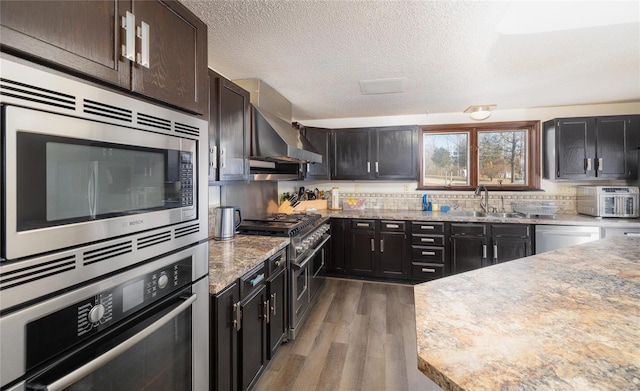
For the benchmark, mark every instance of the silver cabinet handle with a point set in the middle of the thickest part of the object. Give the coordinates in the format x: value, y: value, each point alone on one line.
x: 213, y: 151
x: 373, y: 245
x: 600, y: 165
x: 308, y: 165
x: 427, y: 240
x: 368, y: 166
x: 128, y: 48
x: 265, y: 309
x: 632, y: 234
x: 377, y: 167
x: 588, y: 164
x: 392, y: 226
x: 362, y: 224
x: 235, y: 309
x: 484, y: 251
x: 223, y: 157
x: 427, y: 227
x: 427, y: 270
x: 495, y: 251
x: 428, y: 253
x: 142, y: 32
x: 381, y: 245
x: 273, y: 304
x: 67, y: 380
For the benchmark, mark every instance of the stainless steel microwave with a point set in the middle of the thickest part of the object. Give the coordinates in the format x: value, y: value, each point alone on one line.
x: 83, y: 164
x: 609, y: 201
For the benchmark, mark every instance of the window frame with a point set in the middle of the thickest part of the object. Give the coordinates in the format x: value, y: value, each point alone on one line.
x: 533, y: 152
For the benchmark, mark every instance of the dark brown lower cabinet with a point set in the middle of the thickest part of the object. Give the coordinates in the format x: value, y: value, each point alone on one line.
x: 393, y: 248
x: 336, y: 261
x: 252, y: 337
x: 362, y: 249
x: 224, y: 337
x: 277, y: 320
x: 510, y: 241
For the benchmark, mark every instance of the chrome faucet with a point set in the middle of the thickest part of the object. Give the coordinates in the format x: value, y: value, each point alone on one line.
x: 484, y: 204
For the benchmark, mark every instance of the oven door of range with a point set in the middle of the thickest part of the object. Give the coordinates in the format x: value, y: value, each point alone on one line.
x: 128, y: 333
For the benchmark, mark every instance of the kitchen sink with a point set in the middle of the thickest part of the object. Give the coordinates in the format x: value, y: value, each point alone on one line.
x: 464, y: 213
x: 509, y: 215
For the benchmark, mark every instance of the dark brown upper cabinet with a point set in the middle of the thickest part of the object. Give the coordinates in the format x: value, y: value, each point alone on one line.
x: 165, y: 43
x: 386, y: 153
x: 320, y: 140
x: 591, y: 147
x: 229, y: 130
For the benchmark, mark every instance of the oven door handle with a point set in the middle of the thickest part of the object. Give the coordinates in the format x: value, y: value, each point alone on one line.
x: 99, y: 362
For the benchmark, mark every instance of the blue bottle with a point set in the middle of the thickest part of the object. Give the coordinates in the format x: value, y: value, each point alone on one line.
x: 426, y: 204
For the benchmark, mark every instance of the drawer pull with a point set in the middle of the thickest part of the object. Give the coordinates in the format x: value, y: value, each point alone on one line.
x: 427, y: 227
x: 256, y: 280
x: 428, y: 253
x: 427, y: 240
x: 427, y: 270
x: 392, y: 225
x: 362, y: 224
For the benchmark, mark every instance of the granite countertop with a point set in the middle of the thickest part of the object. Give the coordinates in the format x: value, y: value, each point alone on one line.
x: 231, y: 259
x: 418, y: 215
x: 567, y: 319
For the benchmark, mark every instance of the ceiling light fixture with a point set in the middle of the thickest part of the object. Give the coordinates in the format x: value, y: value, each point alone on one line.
x: 479, y: 112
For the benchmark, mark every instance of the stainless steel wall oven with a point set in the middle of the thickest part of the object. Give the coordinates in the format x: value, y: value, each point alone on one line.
x: 142, y: 329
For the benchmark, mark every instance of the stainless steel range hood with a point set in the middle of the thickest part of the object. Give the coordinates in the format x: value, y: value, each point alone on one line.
x: 273, y: 137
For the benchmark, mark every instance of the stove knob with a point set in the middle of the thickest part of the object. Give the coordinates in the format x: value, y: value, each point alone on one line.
x: 298, y: 248
x: 96, y: 313
x: 163, y: 281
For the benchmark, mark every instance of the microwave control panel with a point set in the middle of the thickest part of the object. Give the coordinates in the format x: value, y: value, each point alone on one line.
x: 186, y: 178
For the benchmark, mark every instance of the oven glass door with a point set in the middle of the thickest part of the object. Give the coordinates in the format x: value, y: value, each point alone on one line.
x: 152, y: 353
x: 618, y: 205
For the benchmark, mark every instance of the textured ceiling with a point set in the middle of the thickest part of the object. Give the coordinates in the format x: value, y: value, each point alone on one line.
x: 316, y: 52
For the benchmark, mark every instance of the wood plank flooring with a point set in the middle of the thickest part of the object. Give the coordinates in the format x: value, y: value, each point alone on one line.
x: 360, y: 336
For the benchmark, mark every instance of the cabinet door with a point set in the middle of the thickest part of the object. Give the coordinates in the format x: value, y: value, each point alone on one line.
x: 319, y: 139
x: 335, y: 263
x: 177, y: 72
x: 468, y: 253
x: 234, y: 131
x: 396, y: 153
x: 351, y: 154
x: 252, y: 338
x: 508, y: 249
x: 362, y: 252
x: 612, y: 148
x: 277, y: 326
x: 392, y: 253
x: 81, y: 36
x: 576, y: 147
x: 224, y: 353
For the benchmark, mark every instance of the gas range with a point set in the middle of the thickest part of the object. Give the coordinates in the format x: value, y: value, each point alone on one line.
x: 281, y: 224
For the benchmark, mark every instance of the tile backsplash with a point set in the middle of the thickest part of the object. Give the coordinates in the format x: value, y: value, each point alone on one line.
x: 565, y: 203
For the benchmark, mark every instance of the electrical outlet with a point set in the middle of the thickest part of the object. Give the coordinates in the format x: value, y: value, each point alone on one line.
x: 357, y: 188
x: 406, y: 188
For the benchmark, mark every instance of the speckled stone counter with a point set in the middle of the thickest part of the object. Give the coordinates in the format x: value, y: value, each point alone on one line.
x: 567, y: 319
x: 418, y: 215
x: 231, y: 259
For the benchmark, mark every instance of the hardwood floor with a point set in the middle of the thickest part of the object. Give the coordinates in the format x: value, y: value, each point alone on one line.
x: 360, y: 336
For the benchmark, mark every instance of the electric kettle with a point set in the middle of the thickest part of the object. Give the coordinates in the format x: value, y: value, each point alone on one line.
x: 226, y: 221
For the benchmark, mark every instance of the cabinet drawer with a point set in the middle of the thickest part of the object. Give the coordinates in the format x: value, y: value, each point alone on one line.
x: 392, y: 226
x: 276, y: 263
x: 468, y: 229
x: 428, y: 240
x: 510, y: 230
x: 427, y: 227
x: 252, y: 281
x: 427, y: 254
x: 426, y: 271
x: 363, y: 224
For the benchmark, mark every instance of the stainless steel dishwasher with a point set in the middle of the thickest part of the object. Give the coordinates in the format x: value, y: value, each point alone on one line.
x: 552, y: 237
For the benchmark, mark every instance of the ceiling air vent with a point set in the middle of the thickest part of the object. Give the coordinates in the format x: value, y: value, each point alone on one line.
x: 154, y: 122
x: 100, y: 254
x: 151, y: 240
x: 30, y: 93
x: 383, y: 86
x: 105, y: 110
x: 36, y: 272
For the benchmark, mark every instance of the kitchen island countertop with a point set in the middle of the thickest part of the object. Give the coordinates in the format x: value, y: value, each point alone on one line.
x: 231, y: 259
x: 567, y: 319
